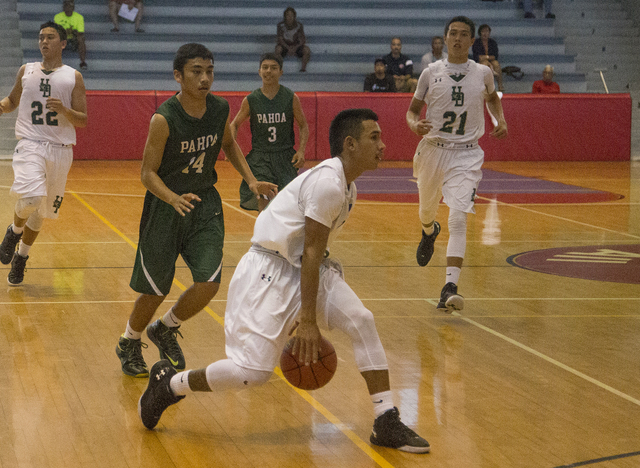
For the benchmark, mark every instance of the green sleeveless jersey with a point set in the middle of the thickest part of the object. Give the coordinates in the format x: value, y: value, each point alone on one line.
x: 191, y: 151
x: 271, y: 121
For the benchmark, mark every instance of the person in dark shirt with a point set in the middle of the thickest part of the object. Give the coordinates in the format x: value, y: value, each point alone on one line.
x: 401, y: 67
x: 379, y: 81
x: 485, y: 52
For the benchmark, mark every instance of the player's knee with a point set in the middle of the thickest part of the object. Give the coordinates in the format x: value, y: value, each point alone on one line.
x: 255, y: 378
x: 27, y: 205
x: 457, y: 222
x: 35, y: 221
x: 361, y: 320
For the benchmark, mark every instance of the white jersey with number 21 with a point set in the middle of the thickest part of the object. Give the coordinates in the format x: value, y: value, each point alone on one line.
x: 455, y: 95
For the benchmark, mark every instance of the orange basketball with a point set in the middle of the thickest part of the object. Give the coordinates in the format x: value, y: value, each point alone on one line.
x: 316, y: 374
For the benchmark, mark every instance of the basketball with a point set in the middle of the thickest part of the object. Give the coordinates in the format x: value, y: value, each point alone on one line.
x: 316, y: 374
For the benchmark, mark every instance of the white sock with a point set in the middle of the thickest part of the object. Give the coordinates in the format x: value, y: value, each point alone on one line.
x: 23, y: 249
x: 453, y: 275
x: 382, y: 402
x: 180, y: 383
x: 170, y: 319
x: 131, y: 334
x: 16, y: 229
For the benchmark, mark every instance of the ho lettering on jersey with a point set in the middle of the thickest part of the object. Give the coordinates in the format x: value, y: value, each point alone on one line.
x: 272, y: 117
x: 199, y: 144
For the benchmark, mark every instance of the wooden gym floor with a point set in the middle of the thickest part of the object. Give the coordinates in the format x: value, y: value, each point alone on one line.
x: 539, y: 370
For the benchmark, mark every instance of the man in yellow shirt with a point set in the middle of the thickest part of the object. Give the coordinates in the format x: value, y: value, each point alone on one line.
x: 73, y: 23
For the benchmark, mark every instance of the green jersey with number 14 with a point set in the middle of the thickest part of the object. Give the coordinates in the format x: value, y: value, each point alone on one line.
x: 190, y: 154
x: 271, y: 121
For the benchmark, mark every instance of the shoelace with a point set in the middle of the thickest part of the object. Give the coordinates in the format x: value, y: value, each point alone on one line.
x: 136, y: 353
x: 171, y: 344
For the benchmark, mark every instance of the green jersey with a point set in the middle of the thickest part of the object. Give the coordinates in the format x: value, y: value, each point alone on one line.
x: 190, y: 154
x: 271, y: 121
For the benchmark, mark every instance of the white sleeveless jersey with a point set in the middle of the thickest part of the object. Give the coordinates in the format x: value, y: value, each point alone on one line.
x: 322, y: 194
x: 455, y: 95
x: 35, y: 121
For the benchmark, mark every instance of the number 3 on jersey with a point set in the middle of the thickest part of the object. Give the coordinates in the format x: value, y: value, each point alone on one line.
x: 450, y: 120
x: 197, y: 164
x: 272, y: 137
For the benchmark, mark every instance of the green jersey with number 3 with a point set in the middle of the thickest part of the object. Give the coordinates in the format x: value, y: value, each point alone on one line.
x: 190, y: 154
x: 271, y: 120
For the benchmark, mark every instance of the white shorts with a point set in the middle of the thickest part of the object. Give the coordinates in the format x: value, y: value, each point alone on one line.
x: 40, y: 169
x: 263, y: 303
x: 451, y: 173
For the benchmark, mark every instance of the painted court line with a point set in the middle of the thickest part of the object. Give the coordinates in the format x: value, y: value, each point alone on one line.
x: 550, y: 360
x: 599, y: 460
x: 366, y: 449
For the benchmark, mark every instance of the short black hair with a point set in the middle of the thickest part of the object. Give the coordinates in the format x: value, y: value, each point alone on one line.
x: 292, y: 10
x: 379, y: 59
x: 50, y: 24
x: 461, y: 19
x: 271, y: 56
x: 190, y: 51
x: 483, y: 27
x: 347, y: 123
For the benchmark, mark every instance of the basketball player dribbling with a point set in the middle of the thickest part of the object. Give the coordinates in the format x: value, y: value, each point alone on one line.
x: 288, y: 282
x: 51, y: 102
x: 448, y: 159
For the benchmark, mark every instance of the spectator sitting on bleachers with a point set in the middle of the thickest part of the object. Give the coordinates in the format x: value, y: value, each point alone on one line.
x: 401, y: 67
x: 291, y: 38
x: 546, y: 85
x: 528, y: 9
x: 116, y: 5
x: 73, y: 23
x: 379, y: 81
x: 485, y: 52
x: 436, y: 53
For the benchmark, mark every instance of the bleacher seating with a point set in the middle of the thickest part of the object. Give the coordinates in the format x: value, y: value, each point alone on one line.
x: 344, y: 39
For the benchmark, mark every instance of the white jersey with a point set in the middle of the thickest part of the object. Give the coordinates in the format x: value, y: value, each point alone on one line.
x: 321, y: 194
x: 36, y: 122
x: 455, y: 95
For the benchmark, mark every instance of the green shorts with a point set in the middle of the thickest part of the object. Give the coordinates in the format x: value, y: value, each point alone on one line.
x: 267, y: 167
x: 165, y: 234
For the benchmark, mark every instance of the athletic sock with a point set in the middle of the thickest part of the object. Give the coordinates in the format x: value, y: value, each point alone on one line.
x: 131, y: 334
x: 170, y: 319
x: 382, y: 402
x: 180, y: 383
x: 453, y: 275
x: 17, y: 230
x: 23, y: 249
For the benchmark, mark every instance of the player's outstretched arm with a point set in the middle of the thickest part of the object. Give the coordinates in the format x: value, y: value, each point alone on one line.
x: 306, y: 345
x: 9, y: 103
x: 235, y: 156
x: 495, y: 107
x: 243, y: 114
x: 303, y: 127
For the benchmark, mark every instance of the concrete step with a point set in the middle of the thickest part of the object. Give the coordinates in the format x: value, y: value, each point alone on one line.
x: 597, y: 31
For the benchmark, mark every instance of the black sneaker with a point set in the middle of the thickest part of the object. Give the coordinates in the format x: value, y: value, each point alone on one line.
x: 529, y: 15
x: 550, y: 16
x: 8, y: 246
x: 18, y: 267
x: 389, y: 431
x: 450, y: 299
x: 158, y: 395
x: 165, y: 338
x: 425, y: 249
x: 130, y: 354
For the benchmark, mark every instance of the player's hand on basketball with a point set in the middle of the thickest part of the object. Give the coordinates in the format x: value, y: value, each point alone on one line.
x: 307, y: 343
x: 182, y: 203
x: 500, y: 130
x: 265, y: 190
x: 298, y: 160
x: 423, y: 127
